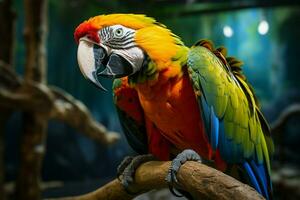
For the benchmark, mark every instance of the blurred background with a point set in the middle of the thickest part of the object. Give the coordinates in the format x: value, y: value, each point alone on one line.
x: 263, y: 34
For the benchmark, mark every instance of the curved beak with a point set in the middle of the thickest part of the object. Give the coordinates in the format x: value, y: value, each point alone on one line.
x: 94, y: 61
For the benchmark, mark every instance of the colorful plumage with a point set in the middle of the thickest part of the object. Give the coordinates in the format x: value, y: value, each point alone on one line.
x: 175, y: 98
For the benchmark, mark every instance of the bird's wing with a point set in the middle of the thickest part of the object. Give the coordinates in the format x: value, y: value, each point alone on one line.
x: 233, y: 122
x: 130, y: 114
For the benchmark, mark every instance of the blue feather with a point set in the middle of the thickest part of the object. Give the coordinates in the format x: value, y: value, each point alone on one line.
x: 260, y: 173
x: 252, y: 177
x: 214, y: 129
x: 224, y: 144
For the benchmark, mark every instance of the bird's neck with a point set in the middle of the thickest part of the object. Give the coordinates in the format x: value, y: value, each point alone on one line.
x: 159, y: 71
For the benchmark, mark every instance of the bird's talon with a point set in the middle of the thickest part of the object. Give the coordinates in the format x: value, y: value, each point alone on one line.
x: 172, y: 190
x: 175, y: 180
x: 119, y: 178
x: 122, y: 166
x: 128, y: 179
x: 127, y: 168
x: 168, y: 178
x: 180, y: 159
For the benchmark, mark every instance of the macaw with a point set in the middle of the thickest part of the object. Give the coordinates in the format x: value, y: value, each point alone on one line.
x: 176, y: 102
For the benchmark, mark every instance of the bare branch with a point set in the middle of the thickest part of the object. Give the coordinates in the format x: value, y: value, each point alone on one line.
x: 65, y: 105
x: 285, y: 115
x: 26, y: 96
x: 52, y: 102
x: 201, y: 181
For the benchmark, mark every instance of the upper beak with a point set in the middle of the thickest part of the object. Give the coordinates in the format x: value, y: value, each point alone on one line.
x: 94, y: 61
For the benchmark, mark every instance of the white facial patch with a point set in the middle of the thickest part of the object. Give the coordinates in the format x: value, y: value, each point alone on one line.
x: 120, y: 40
x: 135, y: 56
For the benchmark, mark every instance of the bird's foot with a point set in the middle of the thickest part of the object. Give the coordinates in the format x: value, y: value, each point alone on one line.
x: 126, y: 170
x: 186, y: 155
x: 122, y: 166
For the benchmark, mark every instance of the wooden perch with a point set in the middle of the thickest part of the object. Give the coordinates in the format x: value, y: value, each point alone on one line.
x: 201, y: 181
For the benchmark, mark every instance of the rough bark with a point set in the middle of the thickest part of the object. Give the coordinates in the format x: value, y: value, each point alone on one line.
x: 7, y: 21
x: 201, y: 181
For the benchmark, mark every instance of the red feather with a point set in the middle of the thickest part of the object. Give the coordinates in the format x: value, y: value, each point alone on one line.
x: 170, y: 112
x: 171, y: 105
x: 86, y: 29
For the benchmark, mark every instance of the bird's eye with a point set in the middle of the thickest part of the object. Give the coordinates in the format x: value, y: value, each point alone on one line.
x: 119, y: 32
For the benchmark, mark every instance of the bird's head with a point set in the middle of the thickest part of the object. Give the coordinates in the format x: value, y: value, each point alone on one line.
x: 118, y: 45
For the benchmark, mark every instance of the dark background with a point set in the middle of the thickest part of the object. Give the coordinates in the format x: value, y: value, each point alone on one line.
x: 271, y: 65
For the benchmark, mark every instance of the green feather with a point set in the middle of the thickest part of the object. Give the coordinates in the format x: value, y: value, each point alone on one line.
x: 232, y: 99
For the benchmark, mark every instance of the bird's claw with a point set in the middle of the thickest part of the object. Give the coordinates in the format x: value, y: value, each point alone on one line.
x: 127, y: 168
x: 186, y: 155
x: 173, y: 182
x: 122, y: 166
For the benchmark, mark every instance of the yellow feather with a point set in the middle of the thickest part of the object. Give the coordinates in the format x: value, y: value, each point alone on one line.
x: 129, y: 20
x: 153, y: 37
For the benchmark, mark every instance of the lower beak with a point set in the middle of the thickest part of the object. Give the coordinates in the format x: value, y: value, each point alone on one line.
x: 94, y: 61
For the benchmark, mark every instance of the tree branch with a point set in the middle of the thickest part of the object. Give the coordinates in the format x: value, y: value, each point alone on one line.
x: 17, y: 94
x: 277, y: 128
x: 285, y: 115
x: 201, y: 181
x: 65, y: 105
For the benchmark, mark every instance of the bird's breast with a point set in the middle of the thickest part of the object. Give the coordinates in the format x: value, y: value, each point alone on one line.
x: 173, y: 108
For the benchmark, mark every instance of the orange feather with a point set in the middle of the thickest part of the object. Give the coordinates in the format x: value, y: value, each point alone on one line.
x: 171, y: 105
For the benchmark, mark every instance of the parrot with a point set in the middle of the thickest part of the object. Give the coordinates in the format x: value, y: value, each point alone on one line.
x: 176, y: 102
